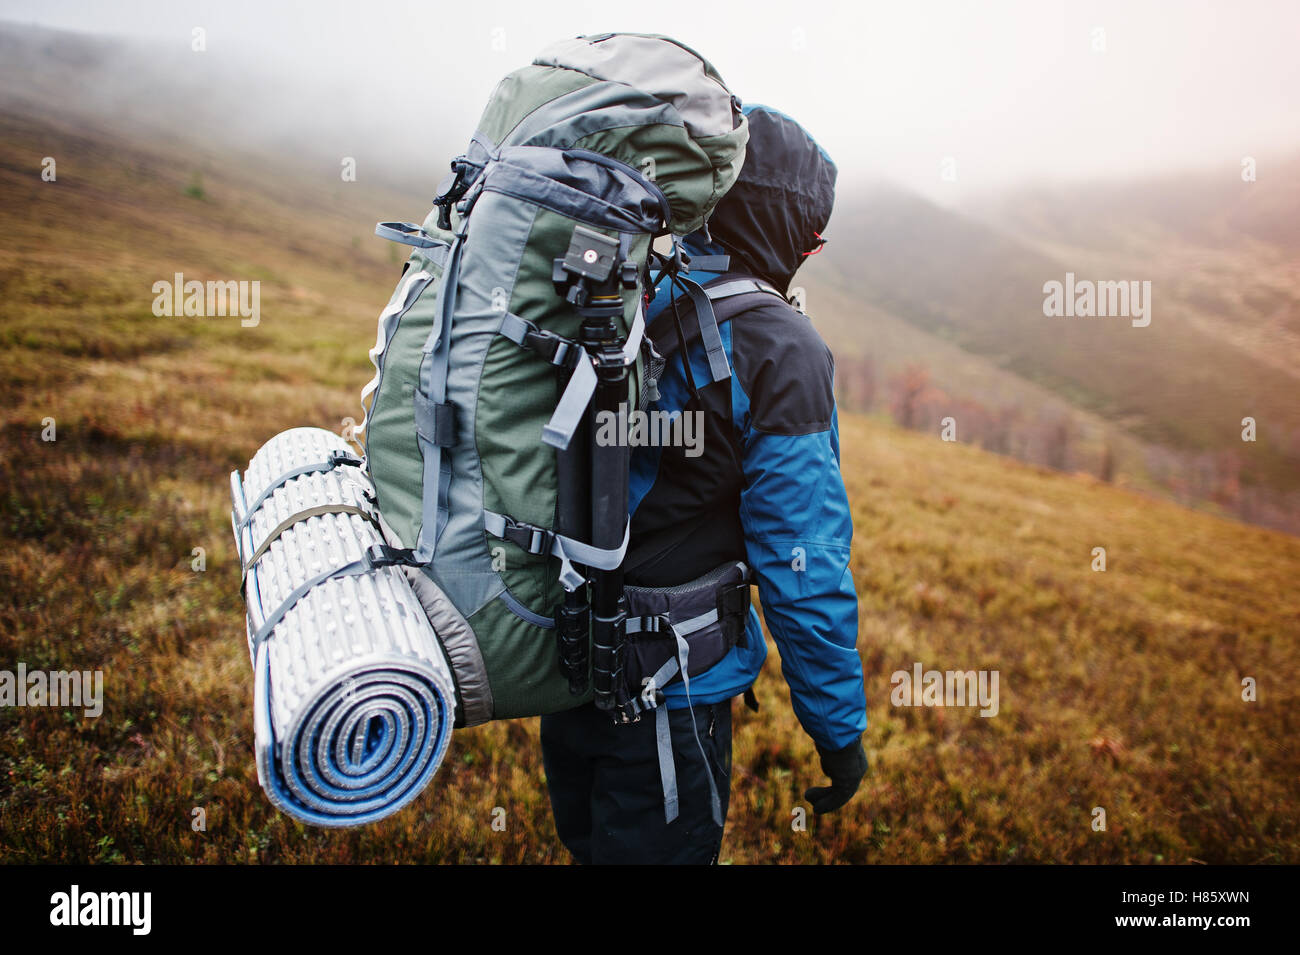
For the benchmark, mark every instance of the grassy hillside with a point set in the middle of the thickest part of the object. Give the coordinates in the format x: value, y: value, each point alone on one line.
x: 875, y: 348
x: 1118, y: 689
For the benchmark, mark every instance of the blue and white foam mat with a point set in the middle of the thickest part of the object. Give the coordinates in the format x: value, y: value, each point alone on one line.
x: 353, y: 696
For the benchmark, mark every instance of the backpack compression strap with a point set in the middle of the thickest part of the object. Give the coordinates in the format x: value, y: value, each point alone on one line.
x: 335, y: 459
x: 558, y: 432
x: 434, y: 416
x: 538, y: 540
x: 374, y: 557
x: 710, y: 337
x: 368, y: 515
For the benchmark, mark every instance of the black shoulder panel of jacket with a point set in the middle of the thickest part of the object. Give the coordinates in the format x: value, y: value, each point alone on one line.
x: 784, y: 367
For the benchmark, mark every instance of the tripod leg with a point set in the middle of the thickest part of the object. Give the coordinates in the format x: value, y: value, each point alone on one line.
x: 609, y: 501
x: 573, y: 519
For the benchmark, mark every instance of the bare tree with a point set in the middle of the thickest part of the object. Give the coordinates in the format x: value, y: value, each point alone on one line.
x: 907, y: 391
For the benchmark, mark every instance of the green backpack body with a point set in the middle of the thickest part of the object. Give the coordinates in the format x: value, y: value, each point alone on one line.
x: 628, y: 136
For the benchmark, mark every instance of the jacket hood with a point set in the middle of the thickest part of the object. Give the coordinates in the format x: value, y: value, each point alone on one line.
x: 772, y: 217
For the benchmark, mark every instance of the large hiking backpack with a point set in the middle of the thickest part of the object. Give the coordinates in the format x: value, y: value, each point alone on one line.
x: 519, y: 309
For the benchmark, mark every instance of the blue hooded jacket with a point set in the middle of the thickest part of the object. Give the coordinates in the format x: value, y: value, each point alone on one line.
x: 768, y: 488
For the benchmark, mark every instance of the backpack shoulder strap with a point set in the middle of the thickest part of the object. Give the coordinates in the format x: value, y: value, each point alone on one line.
x: 739, y: 287
x: 710, y: 306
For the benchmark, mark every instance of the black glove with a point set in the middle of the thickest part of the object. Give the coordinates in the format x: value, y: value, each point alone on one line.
x: 845, y: 767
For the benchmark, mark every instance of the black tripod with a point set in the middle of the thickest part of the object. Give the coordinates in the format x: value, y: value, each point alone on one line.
x: 593, y: 475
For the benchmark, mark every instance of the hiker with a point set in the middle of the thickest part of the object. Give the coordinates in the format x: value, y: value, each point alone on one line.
x: 763, y: 487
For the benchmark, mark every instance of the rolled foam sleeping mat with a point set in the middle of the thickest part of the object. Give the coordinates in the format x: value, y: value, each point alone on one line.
x: 353, y: 696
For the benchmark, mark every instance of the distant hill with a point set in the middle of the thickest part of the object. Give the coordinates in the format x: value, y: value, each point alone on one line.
x: 1221, y: 345
x: 1224, y: 251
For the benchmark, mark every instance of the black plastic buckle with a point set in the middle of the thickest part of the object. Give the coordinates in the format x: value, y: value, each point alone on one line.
x: 733, y: 613
x: 382, y: 555
x: 527, y: 537
x: 337, y: 458
x: 656, y: 623
x: 556, y: 349
x: 629, y: 274
x: 451, y: 190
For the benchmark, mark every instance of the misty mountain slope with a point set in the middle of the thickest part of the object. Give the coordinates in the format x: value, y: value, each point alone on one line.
x: 1223, y: 252
x: 218, y: 101
x: 1213, y: 209
x: 981, y: 288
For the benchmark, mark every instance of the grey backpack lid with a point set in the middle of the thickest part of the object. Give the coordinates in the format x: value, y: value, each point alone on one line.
x: 657, y: 65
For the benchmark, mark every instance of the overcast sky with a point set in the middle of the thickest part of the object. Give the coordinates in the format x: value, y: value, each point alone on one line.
x: 1013, y: 92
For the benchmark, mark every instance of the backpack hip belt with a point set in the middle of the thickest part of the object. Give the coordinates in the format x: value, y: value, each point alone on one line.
x: 709, y: 612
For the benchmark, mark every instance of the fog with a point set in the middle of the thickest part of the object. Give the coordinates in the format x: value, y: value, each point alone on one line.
x: 951, y: 99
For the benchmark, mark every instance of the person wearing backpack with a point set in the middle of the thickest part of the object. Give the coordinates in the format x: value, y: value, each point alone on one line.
x: 763, y: 492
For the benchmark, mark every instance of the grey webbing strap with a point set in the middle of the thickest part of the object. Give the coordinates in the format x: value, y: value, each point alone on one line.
x: 441, y: 360
x: 710, y: 337
x: 379, y: 555
x: 715, y: 804
x: 335, y: 459
x: 601, y: 558
x: 658, y: 624
x: 569, y: 551
x: 740, y: 287
x: 667, y: 766
x: 663, y: 736
x: 433, y: 390
x: 558, y: 432
x: 298, y: 518
x: 435, y: 423
x: 664, y: 743
x: 660, y: 679
x: 687, y: 627
x: 708, y: 263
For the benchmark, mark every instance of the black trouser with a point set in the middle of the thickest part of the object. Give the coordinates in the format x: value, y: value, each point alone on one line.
x: 607, y: 794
